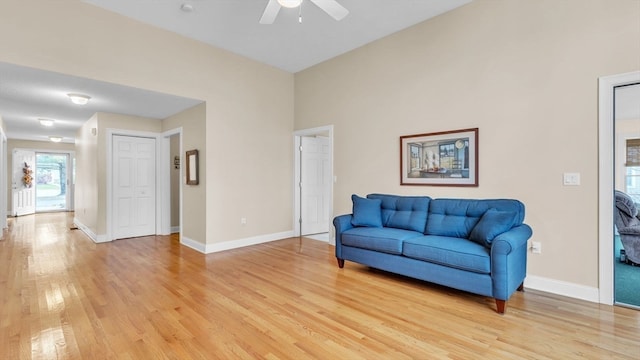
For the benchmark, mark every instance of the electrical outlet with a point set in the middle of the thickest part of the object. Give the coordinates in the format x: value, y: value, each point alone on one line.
x: 536, y: 247
x: 243, y: 221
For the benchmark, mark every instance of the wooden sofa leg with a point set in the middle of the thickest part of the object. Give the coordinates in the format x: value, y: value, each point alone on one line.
x: 340, y: 263
x: 501, y: 305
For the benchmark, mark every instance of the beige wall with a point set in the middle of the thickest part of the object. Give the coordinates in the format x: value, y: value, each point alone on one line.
x: 30, y: 145
x: 524, y: 72
x: 249, y: 112
x: 192, y: 123
x: 86, y: 190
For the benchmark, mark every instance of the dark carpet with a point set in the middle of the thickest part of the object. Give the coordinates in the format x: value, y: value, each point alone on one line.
x: 627, y: 279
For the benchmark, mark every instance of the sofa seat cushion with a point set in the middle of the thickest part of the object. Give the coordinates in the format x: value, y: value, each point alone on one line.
x: 388, y: 240
x: 449, y: 251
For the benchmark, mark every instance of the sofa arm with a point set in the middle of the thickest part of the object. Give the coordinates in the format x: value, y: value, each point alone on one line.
x: 341, y: 223
x: 510, y: 240
x: 631, y: 230
x: 509, y: 261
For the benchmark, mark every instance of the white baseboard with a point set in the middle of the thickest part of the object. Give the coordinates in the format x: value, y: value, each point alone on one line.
x: 323, y: 237
x: 175, y: 229
x: 102, y: 239
x: 234, y: 244
x: 85, y: 229
x: 563, y: 288
x: 197, y: 246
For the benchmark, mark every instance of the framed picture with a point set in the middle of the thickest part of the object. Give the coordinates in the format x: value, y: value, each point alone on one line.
x: 447, y: 158
x: 192, y: 167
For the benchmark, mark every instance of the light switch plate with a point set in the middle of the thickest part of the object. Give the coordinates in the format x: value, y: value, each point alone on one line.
x: 571, y: 179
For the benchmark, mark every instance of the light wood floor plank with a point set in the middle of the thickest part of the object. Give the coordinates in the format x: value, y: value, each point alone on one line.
x: 64, y: 297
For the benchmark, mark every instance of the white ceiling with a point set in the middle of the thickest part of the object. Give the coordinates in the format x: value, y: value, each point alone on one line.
x: 27, y: 94
x: 286, y: 44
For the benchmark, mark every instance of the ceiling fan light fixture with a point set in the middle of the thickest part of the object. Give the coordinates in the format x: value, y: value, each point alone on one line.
x: 46, y: 122
x: 290, y: 3
x: 55, y: 139
x: 79, y: 99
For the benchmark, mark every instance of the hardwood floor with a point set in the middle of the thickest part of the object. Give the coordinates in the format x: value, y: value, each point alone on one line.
x: 64, y: 297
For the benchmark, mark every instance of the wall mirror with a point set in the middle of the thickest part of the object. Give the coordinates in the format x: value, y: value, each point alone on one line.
x: 192, y: 167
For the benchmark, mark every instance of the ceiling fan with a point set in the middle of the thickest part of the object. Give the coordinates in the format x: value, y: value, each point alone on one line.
x: 331, y: 7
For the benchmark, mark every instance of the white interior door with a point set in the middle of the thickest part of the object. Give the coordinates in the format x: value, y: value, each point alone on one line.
x: 134, y: 186
x: 23, y: 195
x: 315, y: 184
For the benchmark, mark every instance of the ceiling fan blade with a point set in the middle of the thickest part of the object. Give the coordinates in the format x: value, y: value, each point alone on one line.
x: 270, y: 12
x: 332, y: 8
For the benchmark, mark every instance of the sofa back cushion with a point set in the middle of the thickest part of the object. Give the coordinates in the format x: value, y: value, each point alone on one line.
x: 458, y: 217
x: 404, y: 212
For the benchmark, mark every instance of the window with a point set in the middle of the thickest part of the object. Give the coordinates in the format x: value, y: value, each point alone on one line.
x: 632, y: 175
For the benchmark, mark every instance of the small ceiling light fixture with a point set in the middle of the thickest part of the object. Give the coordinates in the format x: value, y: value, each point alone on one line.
x: 186, y: 7
x: 79, y: 99
x: 46, y: 122
x: 55, y: 138
x: 290, y: 3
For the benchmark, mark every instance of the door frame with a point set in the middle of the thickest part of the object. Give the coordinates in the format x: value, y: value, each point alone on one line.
x: 297, y: 135
x: 4, y: 198
x: 606, y: 160
x: 4, y: 195
x: 109, y: 175
x: 164, y: 224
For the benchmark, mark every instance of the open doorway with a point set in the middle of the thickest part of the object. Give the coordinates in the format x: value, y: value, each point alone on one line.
x: 627, y: 182
x: 171, y: 173
x: 606, y: 184
x: 313, y: 191
x: 174, y: 165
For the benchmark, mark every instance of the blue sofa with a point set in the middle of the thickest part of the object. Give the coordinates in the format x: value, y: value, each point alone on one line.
x: 479, y: 246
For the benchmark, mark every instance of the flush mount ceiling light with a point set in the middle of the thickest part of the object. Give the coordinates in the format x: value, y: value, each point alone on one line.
x: 55, y: 138
x: 79, y: 99
x: 46, y: 122
x: 186, y: 7
x: 290, y: 3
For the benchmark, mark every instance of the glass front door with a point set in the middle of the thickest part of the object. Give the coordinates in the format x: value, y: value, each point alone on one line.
x: 51, y: 181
